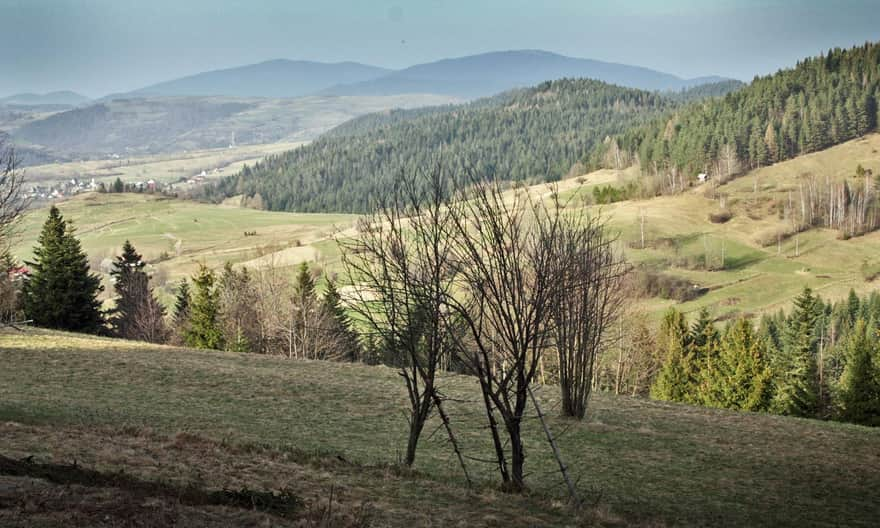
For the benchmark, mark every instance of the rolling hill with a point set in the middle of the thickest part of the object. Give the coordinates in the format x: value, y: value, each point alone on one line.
x: 764, y: 264
x: 485, y: 74
x: 214, y: 421
x: 536, y: 134
x: 275, y: 79
x: 820, y: 102
x: 139, y: 126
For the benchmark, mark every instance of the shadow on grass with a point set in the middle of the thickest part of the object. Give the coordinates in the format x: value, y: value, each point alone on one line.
x: 282, y: 504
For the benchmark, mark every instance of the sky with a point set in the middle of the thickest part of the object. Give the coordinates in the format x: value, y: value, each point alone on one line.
x: 96, y: 47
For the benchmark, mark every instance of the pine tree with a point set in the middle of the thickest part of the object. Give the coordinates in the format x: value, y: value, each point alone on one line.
x: 702, y: 352
x: 181, y: 304
x: 137, y: 315
x: 673, y: 383
x: 772, y: 143
x: 62, y: 293
x: 204, y: 313
x: 852, y: 308
x: 238, y: 308
x: 860, y: 384
x: 118, y: 186
x: 741, y: 378
x: 305, y: 284
x: 345, y: 336
x: 797, y: 390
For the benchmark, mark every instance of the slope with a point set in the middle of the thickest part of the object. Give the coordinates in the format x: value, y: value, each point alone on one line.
x: 820, y: 102
x: 749, y: 260
x: 536, y: 134
x: 265, y: 422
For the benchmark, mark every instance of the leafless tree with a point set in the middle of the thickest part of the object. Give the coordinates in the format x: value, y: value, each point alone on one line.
x: 589, y: 279
x: 148, y: 317
x: 12, y: 200
x: 504, y: 262
x: 283, y: 317
x: 402, y: 264
x: 238, y: 301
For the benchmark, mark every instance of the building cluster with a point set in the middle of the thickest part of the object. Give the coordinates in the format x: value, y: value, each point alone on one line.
x: 62, y: 189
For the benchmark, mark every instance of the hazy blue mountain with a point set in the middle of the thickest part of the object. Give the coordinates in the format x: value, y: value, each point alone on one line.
x: 489, y: 73
x: 52, y: 98
x: 275, y: 78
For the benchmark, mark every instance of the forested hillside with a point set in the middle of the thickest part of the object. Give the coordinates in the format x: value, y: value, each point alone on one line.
x: 822, y: 101
x: 532, y: 135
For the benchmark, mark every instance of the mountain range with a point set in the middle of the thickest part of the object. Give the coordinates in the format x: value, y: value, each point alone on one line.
x: 275, y: 78
x: 466, y: 77
x: 489, y: 73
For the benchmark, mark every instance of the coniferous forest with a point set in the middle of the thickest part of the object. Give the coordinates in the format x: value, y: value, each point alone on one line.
x: 530, y: 135
x: 819, y: 360
x: 821, y: 102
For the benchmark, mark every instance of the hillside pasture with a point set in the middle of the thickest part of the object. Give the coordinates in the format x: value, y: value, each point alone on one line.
x: 66, y: 397
x: 177, y: 236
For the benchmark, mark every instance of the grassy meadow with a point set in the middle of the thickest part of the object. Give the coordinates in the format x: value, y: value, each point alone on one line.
x: 165, y: 168
x: 177, y: 236
x: 640, y: 462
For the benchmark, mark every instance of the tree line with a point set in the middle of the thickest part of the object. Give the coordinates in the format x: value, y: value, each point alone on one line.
x: 820, y: 360
x: 236, y: 310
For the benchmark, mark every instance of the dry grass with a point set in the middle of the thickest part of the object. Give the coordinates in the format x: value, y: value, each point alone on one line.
x: 645, y: 462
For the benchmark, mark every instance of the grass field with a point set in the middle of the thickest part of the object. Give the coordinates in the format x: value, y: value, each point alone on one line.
x: 178, y: 236
x: 183, y: 416
x: 165, y: 168
x: 754, y: 279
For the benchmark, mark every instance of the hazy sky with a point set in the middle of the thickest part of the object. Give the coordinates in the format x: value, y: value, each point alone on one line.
x: 101, y: 46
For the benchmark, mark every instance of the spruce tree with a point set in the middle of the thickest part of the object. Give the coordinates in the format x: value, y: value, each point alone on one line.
x: 203, y: 329
x: 181, y: 304
x: 797, y: 390
x: 341, y: 323
x: 62, y: 293
x: 741, y: 378
x: 860, y: 384
x: 137, y: 315
x: 673, y: 383
x: 702, y: 352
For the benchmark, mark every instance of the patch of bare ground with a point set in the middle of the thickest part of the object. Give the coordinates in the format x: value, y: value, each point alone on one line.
x: 74, y: 476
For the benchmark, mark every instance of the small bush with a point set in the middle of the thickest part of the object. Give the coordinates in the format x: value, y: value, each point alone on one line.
x: 721, y: 217
x: 654, y: 284
x: 870, y: 270
x: 771, y: 236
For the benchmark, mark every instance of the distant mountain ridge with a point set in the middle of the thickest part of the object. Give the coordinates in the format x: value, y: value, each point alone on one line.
x: 280, y: 78
x: 486, y: 74
x: 468, y: 77
x: 64, y: 97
